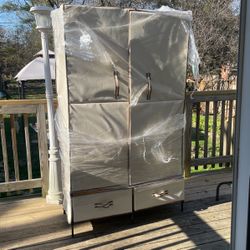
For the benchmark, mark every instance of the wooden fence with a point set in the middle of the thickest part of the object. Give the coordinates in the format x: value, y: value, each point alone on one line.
x: 210, y: 120
x: 208, y: 138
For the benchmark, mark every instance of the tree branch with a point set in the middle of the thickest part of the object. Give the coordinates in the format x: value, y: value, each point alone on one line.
x: 52, y: 3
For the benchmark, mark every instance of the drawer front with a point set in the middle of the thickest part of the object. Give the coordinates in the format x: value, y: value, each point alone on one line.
x: 100, y: 205
x: 158, y: 194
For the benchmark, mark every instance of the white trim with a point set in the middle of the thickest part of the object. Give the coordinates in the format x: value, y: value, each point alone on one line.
x: 242, y: 149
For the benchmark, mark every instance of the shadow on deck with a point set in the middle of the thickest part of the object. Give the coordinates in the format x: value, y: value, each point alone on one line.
x: 204, y: 224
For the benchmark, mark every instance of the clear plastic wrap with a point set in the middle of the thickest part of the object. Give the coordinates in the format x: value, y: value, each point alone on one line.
x: 193, y: 55
x: 121, y: 90
x: 101, y: 159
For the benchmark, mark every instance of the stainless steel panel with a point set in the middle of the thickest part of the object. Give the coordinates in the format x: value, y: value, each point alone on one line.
x: 156, y: 146
x: 159, y: 46
x: 158, y: 194
x: 98, y: 145
x: 102, y: 205
x: 96, y: 42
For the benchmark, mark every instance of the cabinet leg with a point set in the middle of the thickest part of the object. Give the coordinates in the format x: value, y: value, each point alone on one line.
x: 182, y: 206
x: 132, y: 217
x: 72, y: 230
x: 72, y: 221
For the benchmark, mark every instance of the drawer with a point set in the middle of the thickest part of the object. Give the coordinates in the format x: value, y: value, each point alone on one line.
x: 100, y: 205
x: 157, y: 194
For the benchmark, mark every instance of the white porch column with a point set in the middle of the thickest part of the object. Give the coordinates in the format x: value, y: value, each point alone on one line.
x: 54, y: 194
x: 43, y: 23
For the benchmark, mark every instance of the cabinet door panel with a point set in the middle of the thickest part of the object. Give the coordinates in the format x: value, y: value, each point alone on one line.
x: 96, y: 41
x: 156, y: 146
x: 158, y: 45
x: 98, y: 145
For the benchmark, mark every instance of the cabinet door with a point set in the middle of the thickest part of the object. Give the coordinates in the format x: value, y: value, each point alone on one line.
x: 158, y: 52
x: 156, y: 141
x: 98, y: 145
x: 96, y: 41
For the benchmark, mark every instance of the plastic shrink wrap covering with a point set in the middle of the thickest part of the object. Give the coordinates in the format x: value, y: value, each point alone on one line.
x: 121, y: 89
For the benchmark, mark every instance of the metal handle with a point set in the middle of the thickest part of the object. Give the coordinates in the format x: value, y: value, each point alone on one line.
x: 149, y: 92
x: 117, y: 88
x: 161, y: 194
x: 104, y: 205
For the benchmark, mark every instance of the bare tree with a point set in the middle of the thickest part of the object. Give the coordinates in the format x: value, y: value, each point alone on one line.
x: 216, y: 29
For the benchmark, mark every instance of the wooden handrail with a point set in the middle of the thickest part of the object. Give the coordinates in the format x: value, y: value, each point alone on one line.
x: 212, y: 92
x: 202, y: 96
x: 24, y: 102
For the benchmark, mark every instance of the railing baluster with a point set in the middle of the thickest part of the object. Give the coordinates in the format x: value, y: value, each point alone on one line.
x: 222, y: 129
x: 206, y: 131
x: 43, y: 147
x: 4, y: 150
x: 197, y: 132
x: 214, y: 130
x: 14, y: 146
x: 27, y: 145
x: 229, y: 128
x: 188, y: 138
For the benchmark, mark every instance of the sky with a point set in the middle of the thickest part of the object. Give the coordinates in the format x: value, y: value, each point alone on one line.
x: 7, y: 20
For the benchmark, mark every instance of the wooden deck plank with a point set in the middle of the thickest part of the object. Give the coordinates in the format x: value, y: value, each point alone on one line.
x: 172, y: 224
x: 204, y: 224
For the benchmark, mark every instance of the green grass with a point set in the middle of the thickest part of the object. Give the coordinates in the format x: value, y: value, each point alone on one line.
x: 209, y: 168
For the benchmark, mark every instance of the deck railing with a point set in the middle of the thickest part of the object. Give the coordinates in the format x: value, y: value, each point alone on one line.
x: 24, y: 144
x: 21, y: 121
x: 210, y: 121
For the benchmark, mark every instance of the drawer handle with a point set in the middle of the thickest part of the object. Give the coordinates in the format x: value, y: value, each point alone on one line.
x: 161, y: 194
x: 149, y: 92
x: 117, y: 88
x: 104, y: 205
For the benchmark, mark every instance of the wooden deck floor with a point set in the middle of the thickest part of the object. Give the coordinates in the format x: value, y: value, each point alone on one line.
x: 204, y: 224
